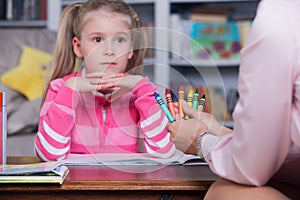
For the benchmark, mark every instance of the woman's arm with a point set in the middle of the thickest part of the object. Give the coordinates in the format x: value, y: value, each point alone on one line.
x: 262, y: 116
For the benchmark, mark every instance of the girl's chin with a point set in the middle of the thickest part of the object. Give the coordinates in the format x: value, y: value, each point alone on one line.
x: 107, y: 72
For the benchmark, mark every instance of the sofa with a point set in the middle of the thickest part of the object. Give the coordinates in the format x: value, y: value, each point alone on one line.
x: 25, y: 58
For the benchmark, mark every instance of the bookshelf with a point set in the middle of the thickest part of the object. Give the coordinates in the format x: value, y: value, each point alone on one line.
x: 23, y: 13
x: 165, y: 69
x: 192, y: 69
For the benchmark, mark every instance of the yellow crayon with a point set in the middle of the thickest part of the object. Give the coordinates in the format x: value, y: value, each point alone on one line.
x: 189, y: 99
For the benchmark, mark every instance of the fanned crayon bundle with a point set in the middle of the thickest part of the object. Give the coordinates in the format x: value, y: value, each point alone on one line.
x: 193, y: 100
x: 201, y: 98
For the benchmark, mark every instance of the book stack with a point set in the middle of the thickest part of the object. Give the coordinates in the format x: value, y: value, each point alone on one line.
x: 44, y: 172
x: 209, y: 14
x: 3, y: 129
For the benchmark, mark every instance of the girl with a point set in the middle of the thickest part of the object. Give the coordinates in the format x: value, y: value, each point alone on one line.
x: 103, y: 107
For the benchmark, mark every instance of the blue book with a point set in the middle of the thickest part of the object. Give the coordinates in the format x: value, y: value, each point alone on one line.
x: 2, y: 9
x: 18, y: 6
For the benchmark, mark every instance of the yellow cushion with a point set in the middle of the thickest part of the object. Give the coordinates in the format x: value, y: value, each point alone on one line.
x: 29, y: 76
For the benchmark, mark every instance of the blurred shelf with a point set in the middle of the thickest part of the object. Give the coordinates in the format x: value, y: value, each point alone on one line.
x: 23, y: 23
x: 67, y: 2
x: 210, y: 1
x: 204, y: 63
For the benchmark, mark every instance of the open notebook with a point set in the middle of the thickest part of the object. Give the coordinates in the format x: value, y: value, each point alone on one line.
x: 178, y: 158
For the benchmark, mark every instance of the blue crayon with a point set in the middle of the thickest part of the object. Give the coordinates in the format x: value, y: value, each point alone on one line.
x: 164, y: 107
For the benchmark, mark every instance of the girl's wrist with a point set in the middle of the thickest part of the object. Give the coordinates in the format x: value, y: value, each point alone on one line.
x: 143, y: 86
x: 70, y: 83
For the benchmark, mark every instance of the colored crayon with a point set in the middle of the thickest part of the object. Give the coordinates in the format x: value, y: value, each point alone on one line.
x: 164, y: 107
x: 195, y: 100
x: 202, y: 102
x: 170, y: 102
x: 174, y: 97
x: 180, y: 100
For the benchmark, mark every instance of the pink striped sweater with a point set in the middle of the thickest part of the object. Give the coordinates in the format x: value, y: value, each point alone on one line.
x: 72, y: 122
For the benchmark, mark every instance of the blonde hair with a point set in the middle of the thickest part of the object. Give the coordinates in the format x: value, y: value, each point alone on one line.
x: 70, y: 26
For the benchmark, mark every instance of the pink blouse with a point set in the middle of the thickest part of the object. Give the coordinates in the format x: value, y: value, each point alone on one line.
x: 266, y: 134
x: 89, y: 123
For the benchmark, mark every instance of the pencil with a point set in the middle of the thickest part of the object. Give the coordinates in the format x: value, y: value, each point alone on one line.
x: 180, y: 100
x: 170, y: 102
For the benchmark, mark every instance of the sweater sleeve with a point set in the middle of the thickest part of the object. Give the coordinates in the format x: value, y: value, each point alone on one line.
x: 57, y: 119
x: 152, y: 121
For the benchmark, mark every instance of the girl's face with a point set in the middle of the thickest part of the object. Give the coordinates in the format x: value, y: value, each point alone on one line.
x: 105, y: 43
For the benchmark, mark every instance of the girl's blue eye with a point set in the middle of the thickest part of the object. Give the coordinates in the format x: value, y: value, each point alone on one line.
x: 119, y: 39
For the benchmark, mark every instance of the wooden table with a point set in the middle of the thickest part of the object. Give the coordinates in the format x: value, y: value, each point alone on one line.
x: 116, y: 182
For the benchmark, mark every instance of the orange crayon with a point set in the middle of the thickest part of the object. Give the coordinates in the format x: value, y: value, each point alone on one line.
x: 180, y: 100
x: 170, y: 102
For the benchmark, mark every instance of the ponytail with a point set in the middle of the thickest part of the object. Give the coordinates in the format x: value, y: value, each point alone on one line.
x: 135, y: 64
x: 63, y: 62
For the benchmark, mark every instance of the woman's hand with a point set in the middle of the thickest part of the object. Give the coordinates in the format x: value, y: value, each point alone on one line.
x: 207, y: 119
x: 185, y: 133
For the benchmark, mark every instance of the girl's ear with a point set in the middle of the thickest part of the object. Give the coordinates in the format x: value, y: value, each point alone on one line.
x: 76, y: 47
x: 130, y: 54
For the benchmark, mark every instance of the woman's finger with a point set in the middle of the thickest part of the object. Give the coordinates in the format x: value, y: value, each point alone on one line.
x: 190, y: 111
